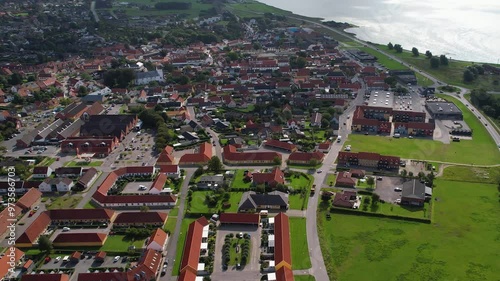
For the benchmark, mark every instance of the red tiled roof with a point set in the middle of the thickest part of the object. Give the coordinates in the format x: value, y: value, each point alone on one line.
x: 76, y: 255
x: 274, y: 177
x: 141, y: 217
x: 159, y: 182
x: 45, y: 277
x: 325, y: 145
x: 192, y: 246
x: 169, y: 168
x: 100, y: 255
x: 187, y: 275
x: 159, y: 236
x: 5, y: 262
x: 80, y: 214
x: 343, y: 199
x: 7, y: 214
x: 29, y: 198
x: 36, y: 228
x: 239, y: 218
x: 281, y: 145
x: 282, y: 247
x: 345, y: 179
x: 369, y: 156
x: 284, y: 274
x: 80, y: 238
x: 230, y: 154
x: 204, y: 154
x: 306, y: 156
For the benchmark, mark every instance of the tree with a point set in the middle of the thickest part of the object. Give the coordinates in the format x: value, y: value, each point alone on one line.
x: 391, y: 81
x: 277, y: 161
x: 325, y: 123
x: 370, y: 181
x: 82, y: 91
x: 415, y: 52
x: 144, y: 209
x: 428, y: 54
x: 15, y: 79
x: 398, y: 48
x: 434, y: 62
x: 44, y: 244
x: 390, y: 46
x: 443, y: 60
x: 468, y: 76
x: 215, y: 165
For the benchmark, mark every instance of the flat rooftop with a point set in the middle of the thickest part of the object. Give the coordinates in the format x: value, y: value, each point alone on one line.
x: 443, y: 108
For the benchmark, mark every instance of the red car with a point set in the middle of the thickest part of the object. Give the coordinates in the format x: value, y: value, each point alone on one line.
x: 47, y: 259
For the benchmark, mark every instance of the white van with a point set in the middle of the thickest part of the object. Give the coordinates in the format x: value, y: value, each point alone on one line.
x: 264, y: 213
x: 339, y: 139
x: 65, y: 259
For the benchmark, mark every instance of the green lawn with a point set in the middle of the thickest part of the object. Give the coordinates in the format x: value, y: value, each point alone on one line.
x: 472, y: 174
x: 296, y: 201
x: 199, y: 205
x: 180, y: 244
x: 118, y: 243
x: 391, y: 209
x: 254, y: 9
x: 64, y: 202
x: 303, y: 181
x: 89, y: 205
x: 304, y: 278
x: 238, y: 180
x: 465, y: 224
x: 170, y: 225
x: 451, y: 74
x: 300, y: 250
x: 235, y: 258
x: 84, y: 164
x: 47, y: 161
x: 330, y: 179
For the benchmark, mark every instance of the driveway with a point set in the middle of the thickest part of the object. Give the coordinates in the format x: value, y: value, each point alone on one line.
x: 385, y: 188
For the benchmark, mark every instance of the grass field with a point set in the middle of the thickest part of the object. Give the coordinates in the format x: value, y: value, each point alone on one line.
x: 304, y: 278
x: 296, y: 201
x: 238, y: 180
x: 64, y: 202
x: 199, y: 205
x: 465, y: 224
x: 300, y: 251
x: 451, y: 74
x: 465, y: 152
x: 84, y: 164
x: 194, y: 11
x: 235, y: 257
x: 118, y: 243
x: 180, y: 244
x: 330, y: 179
x: 47, y: 161
x: 472, y: 174
x: 89, y: 205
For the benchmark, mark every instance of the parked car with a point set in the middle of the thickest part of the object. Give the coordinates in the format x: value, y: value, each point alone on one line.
x: 398, y: 189
x: 65, y: 229
x: 398, y: 201
x: 117, y: 258
x: 57, y: 259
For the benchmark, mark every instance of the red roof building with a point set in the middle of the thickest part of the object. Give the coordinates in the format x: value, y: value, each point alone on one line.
x: 239, y: 218
x: 272, y: 178
x: 158, y: 240
x: 368, y: 159
x: 232, y: 156
x: 345, y: 179
x: 306, y: 158
x: 45, y: 277
x: 6, y: 262
x: 200, y: 158
x: 192, y: 248
x: 141, y: 218
x: 345, y: 199
x: 33, y: 231
x: 282, y: 246
x: 166, y: 157
x: 80, y: 239
x: 288, y: 147
x: 30, y: 198
x: 284, y: 274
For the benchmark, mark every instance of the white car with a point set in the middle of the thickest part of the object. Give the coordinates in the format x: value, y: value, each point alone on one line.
x: 398, y: 189
x: 117, y: 258
x: 398, y: 201
x: 57, y: 259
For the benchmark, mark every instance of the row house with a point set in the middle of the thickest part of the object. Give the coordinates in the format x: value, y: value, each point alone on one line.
x: 368, y: 159
x: 415, y: 128
x: 408, y: 116
x: 98, y: 146
x: 233, y: 157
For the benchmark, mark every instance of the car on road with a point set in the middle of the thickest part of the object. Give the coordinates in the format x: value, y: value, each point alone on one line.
x: 379, y: 178
x: 398, y: 189
x: 47, y: 259
x: 163, y: 272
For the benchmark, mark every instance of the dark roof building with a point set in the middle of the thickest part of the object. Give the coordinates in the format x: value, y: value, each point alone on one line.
x: 251, y: 201
x: 345, y: 199
x: 108, y: 125
x: 444, y: 110
x: 413, y: 193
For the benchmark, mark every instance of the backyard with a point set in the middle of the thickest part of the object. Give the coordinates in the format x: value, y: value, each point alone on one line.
x: 118, y: 243
x: 300, y: 250
x: 238, y: 181
x: 464, y: 214
x: 63, y: 202
x: 199, y: 203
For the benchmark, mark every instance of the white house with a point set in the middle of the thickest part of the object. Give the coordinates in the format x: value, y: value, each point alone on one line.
x: 56, y: 185
x: 41, y: 172
x: 144, y: 78
x: 158, y: 240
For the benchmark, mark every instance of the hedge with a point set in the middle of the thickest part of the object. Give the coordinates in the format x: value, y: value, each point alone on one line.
x: 362, y: 213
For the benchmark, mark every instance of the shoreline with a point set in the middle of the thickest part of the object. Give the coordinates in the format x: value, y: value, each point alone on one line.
x: 343, y: 30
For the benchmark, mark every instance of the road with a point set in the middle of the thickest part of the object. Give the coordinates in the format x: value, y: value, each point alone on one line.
x: 174, y: 237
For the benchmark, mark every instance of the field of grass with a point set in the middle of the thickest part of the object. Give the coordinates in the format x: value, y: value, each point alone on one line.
x: 465, y: 224
x: 238, y: 180
x: 84, y: 164
x: 170, y: 225
x: 199, y: 205
x: 330, y: 179
x: 304, y: 181
x: 296, y: 201
x: 304, y: 278
x: 451, y: 74
x: 118, y: 243
x: 254, y: 8
x: 180, y: 244
x: 465, y: 152
x: 472, y: 174
x: 47, y: 161
x: 391, y: 209
x: 300, y: 250
x: 89, y: 205
x: 64, y: 202
x: 194, y: 11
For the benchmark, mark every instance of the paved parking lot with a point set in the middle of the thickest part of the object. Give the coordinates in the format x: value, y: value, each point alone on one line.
x: 83, y: 264
x: 134, y: 187
x: 255, y: 236
x: 385, y: 188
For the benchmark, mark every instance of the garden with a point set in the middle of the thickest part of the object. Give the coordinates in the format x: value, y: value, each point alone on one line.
x: 236, y: 249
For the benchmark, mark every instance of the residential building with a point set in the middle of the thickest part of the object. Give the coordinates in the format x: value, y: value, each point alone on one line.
x: 306, y: 158
x: 415, y: 129
x: 56, y: 185
x: 201, y: 157
x: 45, y: 277
x: 41, y: 172
x: 8, y: 261
x: 251, y: 201
x: 316, y: 119
x: 29, y: 199
x: 210, y: 182
x: 415, y: 193
x: 345, y: 179
x: 281, y: 145
x: 282, y: 247
x: 141, y: 219
x: 346, y: 199
x: 143, y: 78
x: 157, y: 241
x: 69, y: 172
x: 271, y: 179
x: 90, y: 146
x: 196, y: 242
x: 233, y: 157
x: 368, y: 159
x: 98, y: 126
x: 165, y: 157
x: 87, y: 178
x: 172, y: 171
